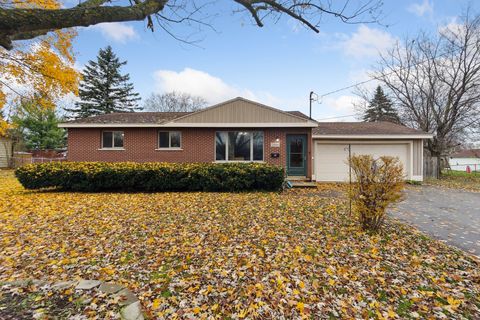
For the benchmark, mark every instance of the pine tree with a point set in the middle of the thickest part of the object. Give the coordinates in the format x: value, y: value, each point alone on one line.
x: 104, y: 89
x: 380, y: 108
x: 37, y: 127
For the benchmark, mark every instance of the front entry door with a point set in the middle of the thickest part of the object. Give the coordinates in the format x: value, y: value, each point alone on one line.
x: 296, y: 155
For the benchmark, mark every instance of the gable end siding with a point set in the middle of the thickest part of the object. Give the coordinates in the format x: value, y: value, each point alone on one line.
x: 240, y: 111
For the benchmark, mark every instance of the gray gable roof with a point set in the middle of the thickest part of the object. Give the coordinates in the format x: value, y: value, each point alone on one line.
x: 239, y: 111
x: 145, y: 117
x: 132, y: 117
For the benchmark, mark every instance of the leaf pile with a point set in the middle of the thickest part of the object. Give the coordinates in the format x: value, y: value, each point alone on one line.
x: 223, y: 255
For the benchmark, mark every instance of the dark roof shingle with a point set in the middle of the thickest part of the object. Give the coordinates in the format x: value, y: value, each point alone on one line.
x: 467, y: 153
x: 132, y: 117
x: 363, y: 128
x: 298, y: 114
x: 144, y: 117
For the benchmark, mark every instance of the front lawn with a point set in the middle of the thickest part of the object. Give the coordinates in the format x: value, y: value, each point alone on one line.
x: 226, y: 255
x: 458, y: 180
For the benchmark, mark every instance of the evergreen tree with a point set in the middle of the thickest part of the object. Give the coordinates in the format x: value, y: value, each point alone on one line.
x: 38, y: 127
x: 104, y: 89
x: 380, y: 108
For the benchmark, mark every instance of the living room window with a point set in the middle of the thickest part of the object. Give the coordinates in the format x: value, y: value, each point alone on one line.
x: 239, y: 146
x: 112, y: 139
x: 169, y: 140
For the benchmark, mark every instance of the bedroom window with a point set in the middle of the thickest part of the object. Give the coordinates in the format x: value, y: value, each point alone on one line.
x: 112, y: 139
x: 239, y: 146
x: 169, y: 140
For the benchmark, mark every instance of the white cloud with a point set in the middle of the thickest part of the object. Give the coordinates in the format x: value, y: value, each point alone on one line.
x: 203, y: 84
x: 453, y: 30
x: 367, y: 42
x: 339, y: 108
x: 420, y: 9
x: 116, y: 31
x: 365, y: 78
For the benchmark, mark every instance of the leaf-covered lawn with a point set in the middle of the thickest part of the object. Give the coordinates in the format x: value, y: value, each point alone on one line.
x: 458, y: 180
x: 223, y: 255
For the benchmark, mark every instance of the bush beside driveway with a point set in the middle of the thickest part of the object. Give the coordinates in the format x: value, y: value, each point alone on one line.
x: 258, y: 255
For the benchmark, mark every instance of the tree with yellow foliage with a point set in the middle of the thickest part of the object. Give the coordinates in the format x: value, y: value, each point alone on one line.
x: 40, y: 69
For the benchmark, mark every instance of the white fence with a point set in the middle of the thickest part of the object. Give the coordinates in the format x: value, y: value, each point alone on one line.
x: 474, y: 167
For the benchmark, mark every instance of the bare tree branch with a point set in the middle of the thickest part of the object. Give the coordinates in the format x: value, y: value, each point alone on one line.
x: 30, y: 23
x: 20, y: 23
x: 435, y: 81
x: 174, y: 102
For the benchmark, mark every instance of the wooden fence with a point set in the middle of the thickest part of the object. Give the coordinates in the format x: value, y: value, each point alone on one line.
x: 430, y: 167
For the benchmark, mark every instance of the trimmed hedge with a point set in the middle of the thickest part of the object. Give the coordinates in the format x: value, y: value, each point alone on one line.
x: 153, y: 176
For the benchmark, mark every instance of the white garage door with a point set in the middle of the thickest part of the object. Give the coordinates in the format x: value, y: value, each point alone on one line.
x: 331, y: 159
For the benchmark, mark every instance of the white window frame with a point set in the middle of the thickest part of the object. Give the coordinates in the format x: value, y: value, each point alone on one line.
x: 251, y: 146
x: 113, y: 140
x: 169, y: 140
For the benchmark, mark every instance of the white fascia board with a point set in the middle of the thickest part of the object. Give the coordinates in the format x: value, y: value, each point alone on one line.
x: 374, y: 136
x: 105, y: 125
x: 243, y: 125
x: 189, y: 125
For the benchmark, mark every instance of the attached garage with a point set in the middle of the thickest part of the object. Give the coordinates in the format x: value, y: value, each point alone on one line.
x: 332, y: 141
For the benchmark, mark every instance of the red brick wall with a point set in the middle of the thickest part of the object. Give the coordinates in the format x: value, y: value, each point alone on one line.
x: 198, y: 145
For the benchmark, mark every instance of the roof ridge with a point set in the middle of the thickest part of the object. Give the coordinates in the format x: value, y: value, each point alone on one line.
x: 259, y: 104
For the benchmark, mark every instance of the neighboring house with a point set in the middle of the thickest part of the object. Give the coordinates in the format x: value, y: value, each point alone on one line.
x: 5, y: 152
x: 463, y: 158
x: 242, y: 130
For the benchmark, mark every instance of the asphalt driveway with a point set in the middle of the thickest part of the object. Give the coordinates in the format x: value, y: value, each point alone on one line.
x: 446, y: 214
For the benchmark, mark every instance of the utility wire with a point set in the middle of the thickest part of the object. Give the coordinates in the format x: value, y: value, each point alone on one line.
x: 319, y: 97
x: 9, y: 87
x: 346, y: 116
x: 387, y: 74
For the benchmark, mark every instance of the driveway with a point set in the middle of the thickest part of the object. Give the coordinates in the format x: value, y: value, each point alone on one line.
x: 446, y: 214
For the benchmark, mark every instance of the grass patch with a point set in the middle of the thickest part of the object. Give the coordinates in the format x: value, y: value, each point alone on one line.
x: 457, y: 180
x: 45, y: 302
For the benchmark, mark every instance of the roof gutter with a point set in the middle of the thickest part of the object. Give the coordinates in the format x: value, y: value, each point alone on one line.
x: 373, y: 136
x: 190, y: 125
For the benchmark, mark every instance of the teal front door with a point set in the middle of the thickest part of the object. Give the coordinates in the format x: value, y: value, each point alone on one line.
x: 296, y: 154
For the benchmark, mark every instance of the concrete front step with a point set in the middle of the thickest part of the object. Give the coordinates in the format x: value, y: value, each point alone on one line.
x: 303, y: 184
x: 297, y: 178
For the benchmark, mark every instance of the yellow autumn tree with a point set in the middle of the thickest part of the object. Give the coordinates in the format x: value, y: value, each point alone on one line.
x: 43, y: 68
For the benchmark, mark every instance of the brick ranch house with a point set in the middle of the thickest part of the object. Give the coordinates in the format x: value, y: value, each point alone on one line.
x: 243, y: 130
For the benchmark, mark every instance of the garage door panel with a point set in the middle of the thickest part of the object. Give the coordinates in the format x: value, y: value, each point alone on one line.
x: 331, y: 159
x: 331, y: 162
x: 392, y: 150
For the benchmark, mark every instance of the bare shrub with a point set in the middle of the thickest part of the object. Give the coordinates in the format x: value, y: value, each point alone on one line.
x: 377, y: 184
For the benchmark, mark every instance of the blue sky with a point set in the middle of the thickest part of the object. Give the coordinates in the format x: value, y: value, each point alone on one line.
x: 278, y: 64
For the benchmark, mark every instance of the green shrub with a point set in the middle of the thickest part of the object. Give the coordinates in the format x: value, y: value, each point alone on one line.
x: 154, y: 176
x: 377, y: 184
x: 414, y: 182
